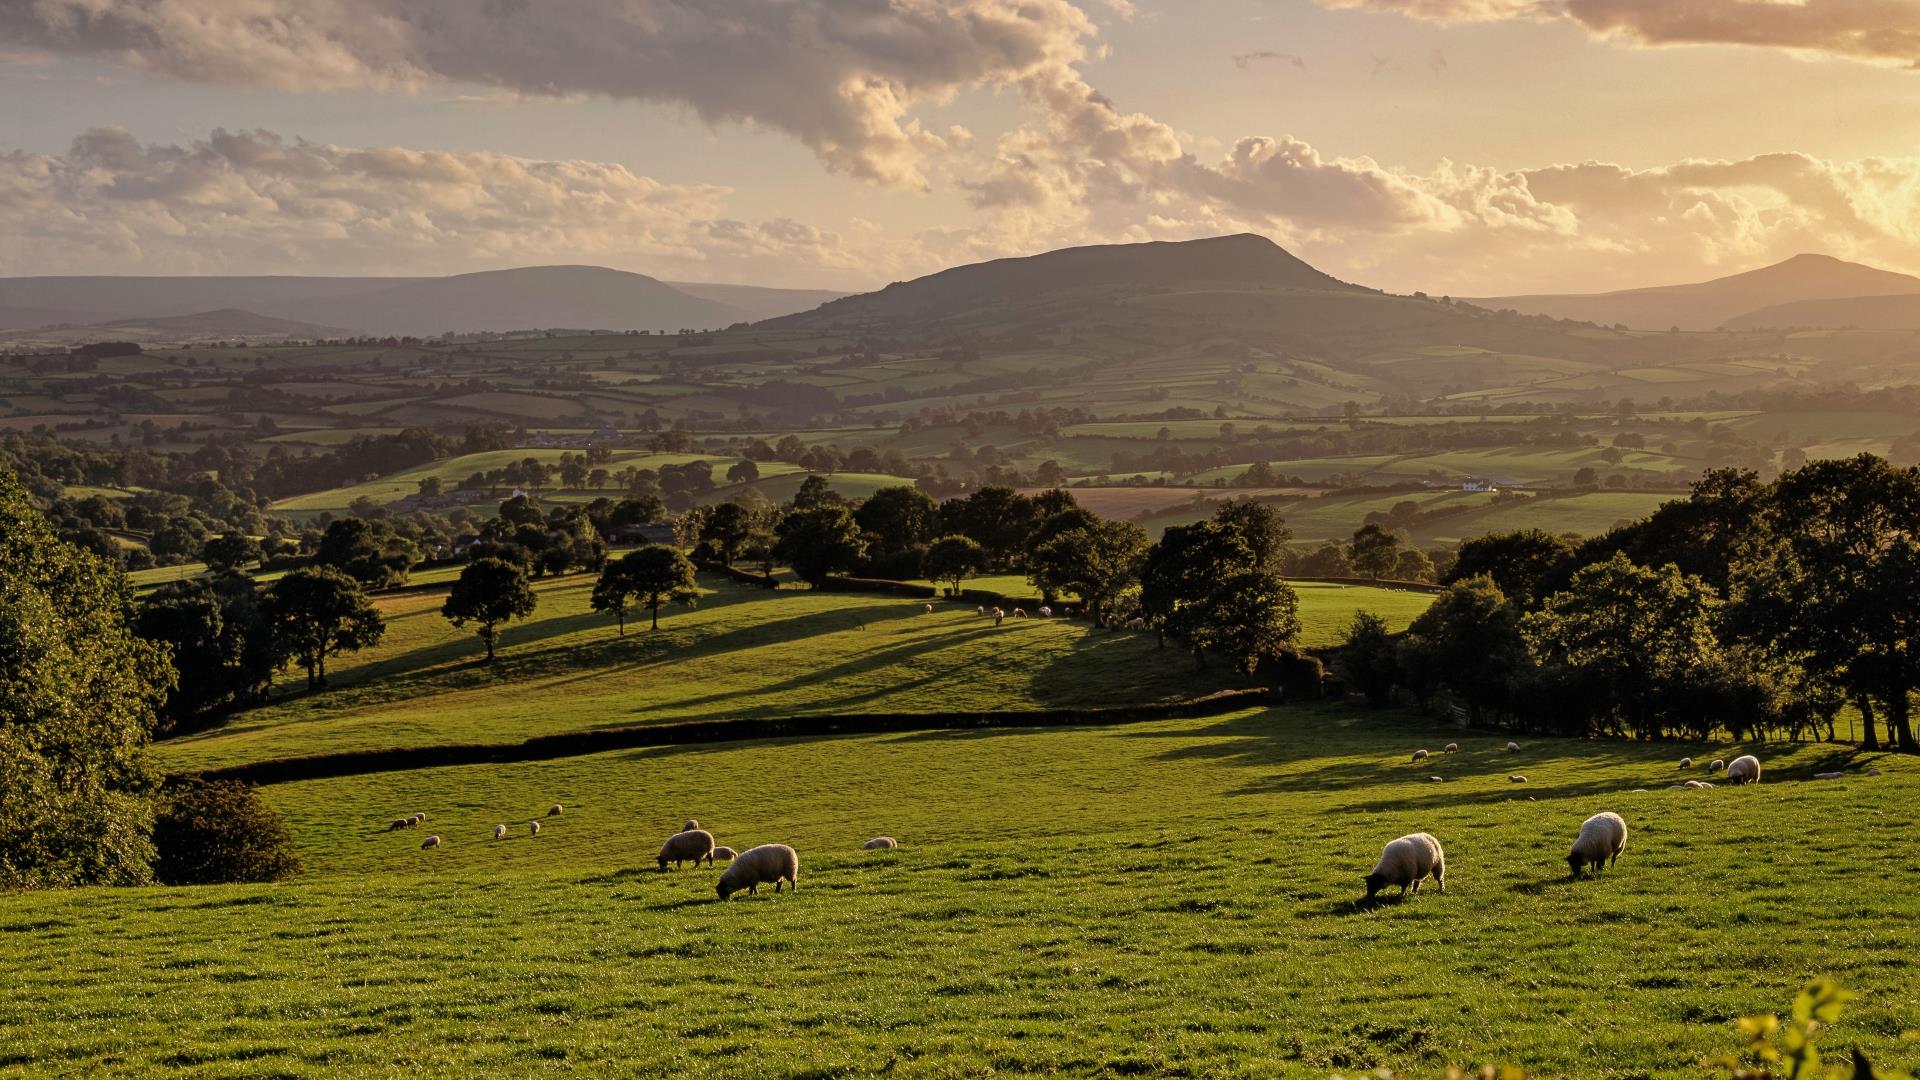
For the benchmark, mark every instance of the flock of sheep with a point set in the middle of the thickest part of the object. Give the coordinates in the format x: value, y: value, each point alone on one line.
x: 768, y: 864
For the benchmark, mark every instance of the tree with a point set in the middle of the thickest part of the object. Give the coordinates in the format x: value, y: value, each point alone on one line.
x: 430, y: 487
x: 1630, y: 636
x: 1202, y: 585
x: 726, y: 528
x: 653, y: 575
x: 77, y: 706
x: 818, y: 541
x: 951, y: 560
x: 489, y: 592
x: 1368, y: 657
x: 999, y: 518
x: 1469, y: 640
x: 220, y: 643
x: 361, y: 550
x: 743, y: 471
x: 218, y: 831
x: 1260, y: 527
x: 1098, y: 561
x: 316, y: 612
x: 230, y: 551
x: 898, y: 518
x: 1374, y: 552
x: 1522, y: 564
x: 814, y: 493
x: 1247, y: 617
x: 1413, y: 565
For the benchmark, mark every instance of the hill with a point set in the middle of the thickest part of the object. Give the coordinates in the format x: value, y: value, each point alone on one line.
x: 1242, y: 260
x: 1707, y: 305
x: 755, y: 302
x: 1900, y: 312
x: 105, y: 298
x: 199, y: 326
x: 574, y: 297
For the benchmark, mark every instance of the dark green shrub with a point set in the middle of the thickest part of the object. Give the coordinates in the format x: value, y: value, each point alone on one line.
x: 212, y: 832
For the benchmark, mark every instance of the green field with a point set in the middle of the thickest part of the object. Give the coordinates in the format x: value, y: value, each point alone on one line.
x: 1167, y: 898
x: 741, y: 652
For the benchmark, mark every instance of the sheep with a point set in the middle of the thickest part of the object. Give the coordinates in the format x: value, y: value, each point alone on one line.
x: 431, y: 841
x: 1873, y: 772
x: 418, y: 818
x: 999, y: 616
x: 1686, y: 763
x: 1406, y: 862
x: 1436, y: 779
x: 1828, y: 775
x: 981, y: 610
x: 880, y: 842
x: 499, y: 832
x: 1019, y: 613
x: 1452, y: 748
x: 1696, y: 784
x: 692, y: 824
x: 1744, y: 769
x: 555, y: 810
x: 1602, y: 838
x: 1717, y: 764
x: 1136, y: 624
x: 1516, y: 778
x: 725, y: 853
x: 1513, y: 747
x: 754, y: 867
x: 400, y: 823
x: 536, y: 827
x: 1046, y: 612
x: 929, y: 610
x: 1419, y: 756
x: 694, y: 844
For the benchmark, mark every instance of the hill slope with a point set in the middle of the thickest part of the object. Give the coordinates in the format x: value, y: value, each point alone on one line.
x: 574, y: 297
x: 1900, y: 312
x: 1242, y: 260
x: 1707, y: 305
x: 755, y: 302
x: 224, y: 324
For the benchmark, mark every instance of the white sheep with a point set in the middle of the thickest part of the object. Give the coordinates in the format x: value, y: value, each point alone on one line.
x: 1437, y: 779
x: 1828, y: 775
x: 1136, y: 624
x: 431, y: 841
x: 929, y: 610
x: 981, y: 610
x: 754, y: 867
x: 1602, y: 838
x: 1046, y: 612
x: 1512, y: 747
x: 694, y: 844
x: 1516, y: 778
x: 1019, y: 613
x: 1686, y: 763
x: 1696, y: 784
x: 1744, y: 769
x: 1419, y: 756
x: 1717, y: 764
x: 499, y: 832
x: 400, y: 823
x: 555, y: 810
x: 1406, y: 862
x: 725, y: 853
x: 536, y: 827
x: 692, y: 824
x: 418, y: 818
x: 880, y: 842
x: 1452, y: 748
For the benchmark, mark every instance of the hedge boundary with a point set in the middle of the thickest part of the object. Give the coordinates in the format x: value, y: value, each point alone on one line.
x: 693, y: 732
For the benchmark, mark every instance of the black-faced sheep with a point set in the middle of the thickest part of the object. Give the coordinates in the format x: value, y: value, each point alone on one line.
x: 879, y: 842
x: 1419, y: 756
x: 1406, y: 862
x: 1602, y: 838
x: 400, y: 823
x: 1686, y: 763
x: 499, y: 832
x: 555, y: 810
x: 536, y: 827
x: 1744, y: 769
x: 767, y: 864
x: 1716, y: 765
x: 693, y: 844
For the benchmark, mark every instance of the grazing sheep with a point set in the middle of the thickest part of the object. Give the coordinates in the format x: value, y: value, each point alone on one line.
x: 1828, y: 775
x: 1452, y: 748
x: 1716, y: 764
x: 1696, y: 784
x: 1437, y: 779
x: 1873, y: 772
x: 1046, y: 612
x: 694, y: 844
x: 1744, y: 769
x: 418, y: 818
x: 1419, y: 755
x: 692, y: 824
x: 999, y: 616
x: 725, y: 853
x: 929, y: 609
x: 536, y: 827
x: 400, y: 823
x: 555, y: 810
x: 754, y: 867
x: 1406, y: 862
x: 1602, y: 838
x: 1019, y: 613
x: 1136, y: 624
x: 1512, y: 746
x: 1686, y: 763
x: 499, y: 832
x: 1516, y: 778
x: 880, y: 842
x: 981, y: 610
x: 431, y: 841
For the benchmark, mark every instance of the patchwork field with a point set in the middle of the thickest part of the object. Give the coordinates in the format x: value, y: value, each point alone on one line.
x: 1165, y: 898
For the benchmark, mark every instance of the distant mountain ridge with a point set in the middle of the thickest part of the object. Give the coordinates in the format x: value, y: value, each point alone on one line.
x: 1708, y: 305
x: 1241, y: 259
x: 526, y: 298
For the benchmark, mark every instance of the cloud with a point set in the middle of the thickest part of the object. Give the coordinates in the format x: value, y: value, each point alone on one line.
x: 256, y: 202
x: 1247, y: 60
x: 1880, y: 31
x: 843, y: 76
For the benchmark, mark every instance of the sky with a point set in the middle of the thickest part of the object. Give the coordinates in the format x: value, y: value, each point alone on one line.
x: 1462, y: 147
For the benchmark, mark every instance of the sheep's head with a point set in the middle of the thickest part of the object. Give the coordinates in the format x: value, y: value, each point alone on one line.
x: 722, y: 890
x: 1574, y: 863
x: 1375, y: 882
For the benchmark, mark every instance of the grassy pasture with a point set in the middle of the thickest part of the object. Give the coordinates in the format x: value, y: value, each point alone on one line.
x: 1168, y: 898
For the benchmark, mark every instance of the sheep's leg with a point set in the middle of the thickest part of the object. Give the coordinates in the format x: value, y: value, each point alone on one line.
x: 1440, y: 878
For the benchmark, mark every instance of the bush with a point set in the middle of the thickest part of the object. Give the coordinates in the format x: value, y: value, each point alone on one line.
x: 212, y: 832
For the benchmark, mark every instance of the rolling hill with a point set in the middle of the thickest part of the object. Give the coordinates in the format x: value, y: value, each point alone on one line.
x: 1898, y: 312
x: 219, y: 325
x: 1242, y: 261
x: 755, y: 302
x: 1708, y: 305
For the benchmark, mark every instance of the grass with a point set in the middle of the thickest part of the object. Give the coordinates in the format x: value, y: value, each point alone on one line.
x: 1326, y: 611
x: 1169, y: 898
